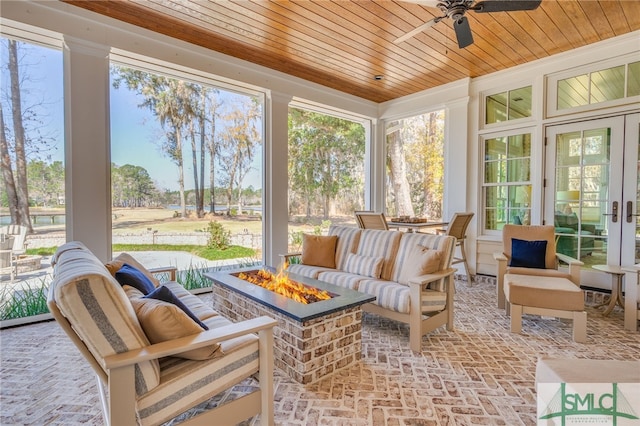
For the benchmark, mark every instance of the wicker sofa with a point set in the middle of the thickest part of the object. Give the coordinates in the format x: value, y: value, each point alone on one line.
x: 146, y: 382
x: 397, y: 268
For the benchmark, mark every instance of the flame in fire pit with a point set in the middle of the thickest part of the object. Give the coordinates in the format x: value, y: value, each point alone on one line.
x: 281, y: 284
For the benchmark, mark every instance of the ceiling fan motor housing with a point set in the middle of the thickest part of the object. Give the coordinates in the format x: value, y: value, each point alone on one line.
x: 455, y: 9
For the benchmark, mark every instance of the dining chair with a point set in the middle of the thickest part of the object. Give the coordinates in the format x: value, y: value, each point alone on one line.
x: 457, y: 227
x: 371, y: 220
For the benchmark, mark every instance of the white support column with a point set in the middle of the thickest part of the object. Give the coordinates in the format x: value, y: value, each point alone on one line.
x: 460, y: 175
x: 276, y: 179
x: 376, y: 159
x: 87, y: 145
x: 456, y: 179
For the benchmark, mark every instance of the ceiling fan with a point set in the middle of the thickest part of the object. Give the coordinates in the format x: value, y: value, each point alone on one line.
x: 455, y: 9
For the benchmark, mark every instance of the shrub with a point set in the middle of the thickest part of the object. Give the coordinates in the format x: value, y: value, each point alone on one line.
x: 219, y: 238
x: 296, y: 240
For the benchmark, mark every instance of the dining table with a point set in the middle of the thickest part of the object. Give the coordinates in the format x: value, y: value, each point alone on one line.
x: 415, y: 226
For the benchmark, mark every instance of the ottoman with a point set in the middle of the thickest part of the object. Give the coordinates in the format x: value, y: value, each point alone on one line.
x: 547, y: 296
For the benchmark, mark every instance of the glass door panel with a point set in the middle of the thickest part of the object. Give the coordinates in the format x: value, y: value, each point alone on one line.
x: 592, y: 170
x: 630, y: 208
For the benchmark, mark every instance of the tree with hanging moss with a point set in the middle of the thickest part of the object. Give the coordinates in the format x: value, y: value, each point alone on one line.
x: 326, y: 159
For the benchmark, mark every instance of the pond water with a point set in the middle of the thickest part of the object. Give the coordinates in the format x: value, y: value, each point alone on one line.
x: 38, y: 220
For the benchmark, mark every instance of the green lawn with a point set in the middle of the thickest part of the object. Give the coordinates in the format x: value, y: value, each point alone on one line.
x: 233, y: 252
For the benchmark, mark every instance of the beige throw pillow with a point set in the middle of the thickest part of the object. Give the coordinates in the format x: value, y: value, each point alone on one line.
x: 319, y: 250
x: 420, y: 261
x: 162, y: 321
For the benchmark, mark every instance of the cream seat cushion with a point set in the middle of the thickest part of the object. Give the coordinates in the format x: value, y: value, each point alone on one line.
x: 550, y: 293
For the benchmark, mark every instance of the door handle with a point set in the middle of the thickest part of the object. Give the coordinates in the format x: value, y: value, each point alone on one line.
x: 614, y: 212
x: 630, y: 213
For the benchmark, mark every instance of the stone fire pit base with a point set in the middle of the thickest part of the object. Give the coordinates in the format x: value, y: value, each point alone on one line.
x: 308, y: 350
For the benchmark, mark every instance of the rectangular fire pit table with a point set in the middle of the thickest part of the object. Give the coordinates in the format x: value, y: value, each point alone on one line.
x: 310, y: 341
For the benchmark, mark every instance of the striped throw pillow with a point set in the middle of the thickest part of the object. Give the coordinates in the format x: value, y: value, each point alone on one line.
x: 367, y: 266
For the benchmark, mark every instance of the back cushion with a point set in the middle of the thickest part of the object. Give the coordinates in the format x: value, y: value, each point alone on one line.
x: 348, y: 238
x: 379, y: 243
x: 531, y: 233
x: 97, y: 308
x: 125, y: 258
x: 408, y: 243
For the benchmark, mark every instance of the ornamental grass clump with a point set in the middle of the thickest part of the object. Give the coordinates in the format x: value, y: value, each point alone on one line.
x: 25, y: 301
x: 193, y: 277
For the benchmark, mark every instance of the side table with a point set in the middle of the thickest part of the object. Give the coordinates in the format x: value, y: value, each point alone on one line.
x: 616, y: 273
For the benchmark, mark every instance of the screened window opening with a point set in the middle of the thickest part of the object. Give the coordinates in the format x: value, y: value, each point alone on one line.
x: 599, y: 86
x: 326, y: 168
x: 186, y: 171
x: 415, y: 166
x: 507, y: 181
x: 509, y: 105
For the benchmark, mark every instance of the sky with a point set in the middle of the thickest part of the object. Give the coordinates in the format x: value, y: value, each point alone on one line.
x: 135, y: 133
x: 135, y: 139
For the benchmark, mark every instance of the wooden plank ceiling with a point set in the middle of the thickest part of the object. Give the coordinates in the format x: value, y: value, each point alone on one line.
x: 345, y: 44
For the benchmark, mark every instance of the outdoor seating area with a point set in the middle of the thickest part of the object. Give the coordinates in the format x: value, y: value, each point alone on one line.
x: 382, y: 332
x: 450, y: 379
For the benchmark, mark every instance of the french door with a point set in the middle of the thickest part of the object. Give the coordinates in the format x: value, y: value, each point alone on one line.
x: 591, y: 193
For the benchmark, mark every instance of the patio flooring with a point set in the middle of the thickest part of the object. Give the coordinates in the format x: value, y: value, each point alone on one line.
x: 478, y: 374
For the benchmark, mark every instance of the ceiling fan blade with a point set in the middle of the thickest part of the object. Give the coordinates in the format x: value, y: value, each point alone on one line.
x: 417, y: 30
x: 505, y: 5
x: 428, y: 3
x: 463, y: 32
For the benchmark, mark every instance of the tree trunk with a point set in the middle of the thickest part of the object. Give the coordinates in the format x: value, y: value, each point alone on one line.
x: 308, y: 199
x: 7, y: 172
x: 194, y: 164
x: 326, y: 207
x: 229, y: 198
x: 18, y: 129
x: 200, y: 206
x: 212, y: 162
x: 398, y: 173
x: 183, y: 202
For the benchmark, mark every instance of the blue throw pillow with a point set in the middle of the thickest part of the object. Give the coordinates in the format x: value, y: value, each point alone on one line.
x: 165, y: 294
x: 528, y: 254
x: 128, y: 275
